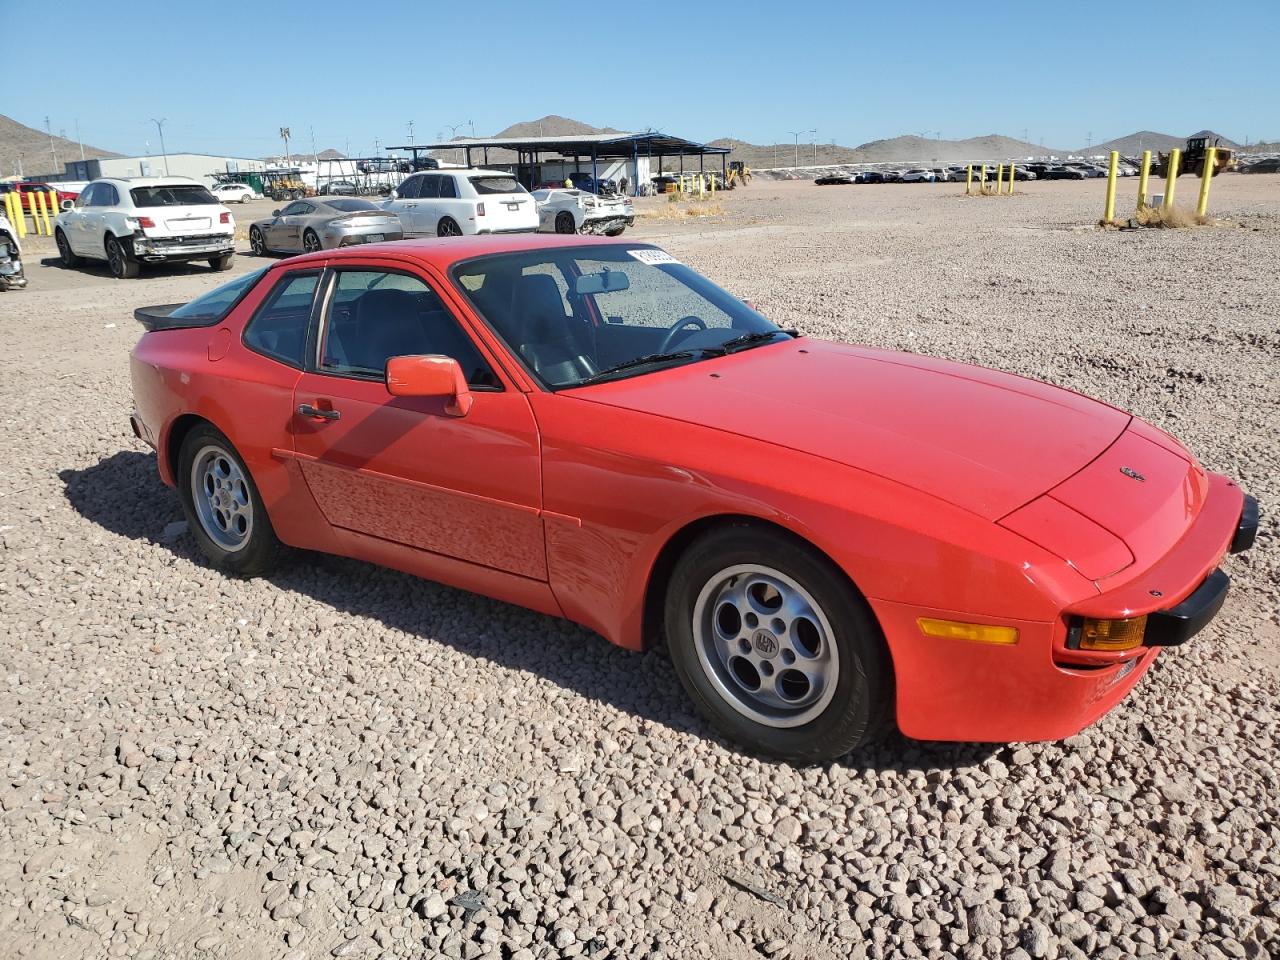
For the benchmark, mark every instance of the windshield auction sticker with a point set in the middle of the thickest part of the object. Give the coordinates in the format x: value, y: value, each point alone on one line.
x: 653, y: 257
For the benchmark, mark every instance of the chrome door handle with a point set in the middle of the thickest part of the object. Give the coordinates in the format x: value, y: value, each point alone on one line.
x: 307, y: 410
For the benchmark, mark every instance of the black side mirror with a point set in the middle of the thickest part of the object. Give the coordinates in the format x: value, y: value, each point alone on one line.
x: 275, y: 213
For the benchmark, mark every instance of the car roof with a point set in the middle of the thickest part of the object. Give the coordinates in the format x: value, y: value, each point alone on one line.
x: 444, y: 252
x: 152, y: 181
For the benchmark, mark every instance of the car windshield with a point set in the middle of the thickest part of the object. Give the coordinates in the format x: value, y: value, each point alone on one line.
x: 174, y: 195
x: 487, y: 185
x: 217, y: 303
x: 351, y: 204
x: 585, y: 314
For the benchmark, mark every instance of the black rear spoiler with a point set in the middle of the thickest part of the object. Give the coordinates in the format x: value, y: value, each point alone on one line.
x: 158, y: 318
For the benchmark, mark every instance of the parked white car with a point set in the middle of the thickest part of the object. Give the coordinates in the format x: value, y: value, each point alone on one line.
x: 576, y: 211
x: 918, y: 176
x: 450, y: 203
x: 131, y: 221
x: 234, y: 193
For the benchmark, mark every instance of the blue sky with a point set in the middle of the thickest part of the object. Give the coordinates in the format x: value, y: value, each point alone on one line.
x: 354, y: 72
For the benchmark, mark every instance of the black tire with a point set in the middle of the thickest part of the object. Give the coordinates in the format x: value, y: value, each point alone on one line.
x: 69, y: 259
x: 120, y: 260
x: 448, y: 227
x: 262, y: 550
x: 257, y: 243
x: 614, y: 231
x: 310, y: 242
x: 862, y: 703
x: 564, y: 222
x: 223, y: 262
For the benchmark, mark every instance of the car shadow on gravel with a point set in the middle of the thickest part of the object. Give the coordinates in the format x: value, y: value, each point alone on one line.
x: 124, y: 494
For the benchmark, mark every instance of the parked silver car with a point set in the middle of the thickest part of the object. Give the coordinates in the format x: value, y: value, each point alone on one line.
x: 322, y: 223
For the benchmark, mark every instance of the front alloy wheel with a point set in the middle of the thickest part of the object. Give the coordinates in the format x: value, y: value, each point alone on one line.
x: 310, y: 242
x: 775, y: 645
x: 766, y: 645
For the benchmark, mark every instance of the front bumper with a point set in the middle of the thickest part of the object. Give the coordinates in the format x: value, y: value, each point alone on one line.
x: 1039, y: 688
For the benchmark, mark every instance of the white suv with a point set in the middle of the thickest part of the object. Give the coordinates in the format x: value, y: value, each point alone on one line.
x: 450, y: 203
x: 128, y: 222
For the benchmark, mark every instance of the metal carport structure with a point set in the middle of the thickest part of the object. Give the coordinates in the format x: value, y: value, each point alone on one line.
x: 532, y: 152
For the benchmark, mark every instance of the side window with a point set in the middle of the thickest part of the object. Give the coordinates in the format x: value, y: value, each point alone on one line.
x: 430, y: 186
x: 90, y: 196
x: 408, y: 189
x: 108, y: 196
x: 448, y: 187
x: 374, y: 315
x: 278, y: 328
x: 293, y: 209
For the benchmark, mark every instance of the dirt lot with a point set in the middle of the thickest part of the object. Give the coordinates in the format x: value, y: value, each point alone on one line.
x: 322, y: 762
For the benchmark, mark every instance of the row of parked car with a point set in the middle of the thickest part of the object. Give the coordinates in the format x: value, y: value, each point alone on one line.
x: 128, y: 222
x: 1066, y: 170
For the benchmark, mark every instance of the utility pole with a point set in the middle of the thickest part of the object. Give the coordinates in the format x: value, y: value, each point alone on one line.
x: 160, y: 126
x: 472, y: 125
x: 814, y: 131
x: 52, y: 149
x: 796, y: 134
x: 411, y: 131
x: 80, y: 139
x: 284, y: 135
x: 315, y: 157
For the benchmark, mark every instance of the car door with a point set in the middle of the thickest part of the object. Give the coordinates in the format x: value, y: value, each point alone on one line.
x: 75, y: 222
x: 402, y: 469
x: 426, y: 211
x: 285, y: 232
x: 405, y: 202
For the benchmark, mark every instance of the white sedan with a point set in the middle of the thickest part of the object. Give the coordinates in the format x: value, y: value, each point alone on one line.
x: 234, y: 193
x: 577, y: 211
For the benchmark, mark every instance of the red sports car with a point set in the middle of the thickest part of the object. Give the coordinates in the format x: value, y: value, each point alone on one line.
x: 831, y: 537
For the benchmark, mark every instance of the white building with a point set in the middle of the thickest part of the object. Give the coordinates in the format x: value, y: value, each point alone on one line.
x: 197, y: 166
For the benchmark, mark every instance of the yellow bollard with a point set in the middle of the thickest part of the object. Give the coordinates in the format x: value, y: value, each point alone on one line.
x: 19, y: 218
x: 1175, y: 155
x: 1206, y: 176
x: 1113, y: 170
x: 1010, y: 188
x: 53, y: 204
x: 982, y: 178
x: 968, y: 180
x: 1142, y: 178
x: 42, y: 225
x: 999, y: 178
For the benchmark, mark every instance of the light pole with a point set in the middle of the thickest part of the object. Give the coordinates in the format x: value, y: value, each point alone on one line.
x: 285, y: 134
x: 814, y: 131
x: 411, y: 131
x: 160, y: 126
x: 796, y: 134
x: 52, y: 149
x: 453, y: 133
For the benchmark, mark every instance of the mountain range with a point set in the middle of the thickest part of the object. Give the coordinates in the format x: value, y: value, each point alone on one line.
x: 25, y: 149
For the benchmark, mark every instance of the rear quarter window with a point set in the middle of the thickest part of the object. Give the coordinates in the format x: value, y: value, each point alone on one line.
x: 490, y: 185
x: 278, y: 329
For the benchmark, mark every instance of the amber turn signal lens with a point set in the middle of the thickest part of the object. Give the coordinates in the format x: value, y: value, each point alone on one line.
x: 1112, y: 634
x: 974, y: 632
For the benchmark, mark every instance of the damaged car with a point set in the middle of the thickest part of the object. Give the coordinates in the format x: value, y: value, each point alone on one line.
x: 578, y: 211
x: 11, y: 274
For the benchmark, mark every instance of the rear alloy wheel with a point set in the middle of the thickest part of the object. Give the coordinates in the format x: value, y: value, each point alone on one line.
x: 448, y: 227
x: 256, y: 243
x: 564, y: 222
x: 224, y: 510
x: 68, y: 258
x: 123, y: 266
x: 775, y: 646
x: 310, y: 242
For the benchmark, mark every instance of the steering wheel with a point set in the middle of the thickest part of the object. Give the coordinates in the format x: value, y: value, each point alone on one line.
x: 678, y: 326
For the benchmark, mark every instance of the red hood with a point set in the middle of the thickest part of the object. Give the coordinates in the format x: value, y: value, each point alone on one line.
x: 986, y: 441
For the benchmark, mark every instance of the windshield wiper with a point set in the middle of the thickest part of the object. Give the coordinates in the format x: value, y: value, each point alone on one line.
x: 637, y: 362
x: 751, y: 339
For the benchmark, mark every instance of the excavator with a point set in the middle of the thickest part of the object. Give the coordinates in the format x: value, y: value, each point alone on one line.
x: 1193, y: 156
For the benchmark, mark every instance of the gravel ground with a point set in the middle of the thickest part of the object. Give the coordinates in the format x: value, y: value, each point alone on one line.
x: 345, y: 761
